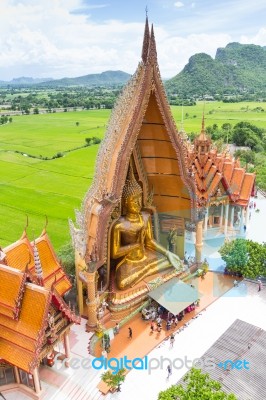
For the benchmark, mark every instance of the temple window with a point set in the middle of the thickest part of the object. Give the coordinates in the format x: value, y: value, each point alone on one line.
x: 6, y: 375
x: 26, y: 379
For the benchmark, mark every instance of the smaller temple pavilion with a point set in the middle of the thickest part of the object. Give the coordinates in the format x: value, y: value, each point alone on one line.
x: 223, y: 189
x: 34, y: 316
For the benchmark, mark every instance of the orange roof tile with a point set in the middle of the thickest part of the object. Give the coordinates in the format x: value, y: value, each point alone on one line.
x: 16, y: 355
x: 246, y: 188
x: 198, y: 167
x: 214, y: 184
x: 210, y: 175
x: 228, y: 171
x: 12, y: 286
x: 21, y: 339
x: 199, y: 181
x: 237, y: 180
x: 207, y: 167
x: 19, y: 254
x: 34, y: 307
x: 52, y: 270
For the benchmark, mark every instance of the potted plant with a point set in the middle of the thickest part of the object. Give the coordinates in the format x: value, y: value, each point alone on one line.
x: 114, y: 380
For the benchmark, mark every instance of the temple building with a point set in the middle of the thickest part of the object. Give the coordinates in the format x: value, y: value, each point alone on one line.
x: 34, y: 316
x: 150, y: 188
x: 222, y: 187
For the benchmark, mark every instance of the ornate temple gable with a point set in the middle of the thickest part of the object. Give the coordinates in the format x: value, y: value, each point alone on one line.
x: 118, y: 146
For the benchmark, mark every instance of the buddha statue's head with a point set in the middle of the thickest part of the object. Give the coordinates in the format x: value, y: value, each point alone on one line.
x: 132, y: 194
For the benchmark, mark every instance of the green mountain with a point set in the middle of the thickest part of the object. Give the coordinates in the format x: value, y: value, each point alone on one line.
x: 236, y: 69
x: 105, y: 78
x: 24, y: 81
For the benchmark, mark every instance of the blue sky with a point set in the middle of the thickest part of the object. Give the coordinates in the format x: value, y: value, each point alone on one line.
x: 58, y: 38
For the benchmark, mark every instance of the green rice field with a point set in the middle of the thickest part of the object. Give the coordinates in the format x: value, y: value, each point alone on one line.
x: 56, y: 187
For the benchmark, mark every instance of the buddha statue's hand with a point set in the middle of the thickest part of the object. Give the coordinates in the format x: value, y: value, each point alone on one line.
x: 175, y: 261
x: 141, y: 236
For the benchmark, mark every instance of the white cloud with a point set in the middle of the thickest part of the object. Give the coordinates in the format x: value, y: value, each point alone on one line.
x: 259, y: 38
x: 174, y: 52
x: 178, y: 4
x: 49, y: 38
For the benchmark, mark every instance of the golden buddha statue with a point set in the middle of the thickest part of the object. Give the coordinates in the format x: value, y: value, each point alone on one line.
x: 133, y: 244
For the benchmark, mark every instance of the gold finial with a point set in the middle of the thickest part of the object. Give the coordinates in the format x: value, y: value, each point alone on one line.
x: 131, y: 187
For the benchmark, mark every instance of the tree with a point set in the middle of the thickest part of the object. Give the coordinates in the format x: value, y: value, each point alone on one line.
x: 234, y: 253
x: 96, y: 140
x: 197, y: 386
x: 77, y: 123
x: 67, y: 257
x: 248, y: 156
x: 244, y: 257
x: 247, y: 134
x: 114, y: 380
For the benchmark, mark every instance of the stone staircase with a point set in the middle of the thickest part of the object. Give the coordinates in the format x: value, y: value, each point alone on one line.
x: 82, y: 385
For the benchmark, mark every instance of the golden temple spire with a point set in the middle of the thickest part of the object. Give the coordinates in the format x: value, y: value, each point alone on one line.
x: 152, y: 55
x: 202, y: 135
x: 146, y: 40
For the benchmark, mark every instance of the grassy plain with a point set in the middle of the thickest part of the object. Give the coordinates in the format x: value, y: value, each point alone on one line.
x: 37, y: 187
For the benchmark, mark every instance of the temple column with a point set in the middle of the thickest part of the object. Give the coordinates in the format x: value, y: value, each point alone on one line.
x: 246, y: 217
x: 80, y: 266
x: 36, y: 380
x: 67, y: 348
x: 241, y: 219
x: 221, y: 215
x: 226, y: 219
x: 199, y: 242
x: 232, y: 216
x: 92, y: 301
x: 16, y: 373
x: 206, y: 220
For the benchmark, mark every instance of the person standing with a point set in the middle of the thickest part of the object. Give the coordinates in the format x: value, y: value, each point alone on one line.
x: 130, y: 333
x: 169, y: 370
x: 152, y: 326
x: 117, y: 328
x: 259, y: 285
x: 172, y: 340
x: 168, y: 325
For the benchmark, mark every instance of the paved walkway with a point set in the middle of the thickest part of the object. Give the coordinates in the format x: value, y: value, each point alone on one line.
x: 244, y: 303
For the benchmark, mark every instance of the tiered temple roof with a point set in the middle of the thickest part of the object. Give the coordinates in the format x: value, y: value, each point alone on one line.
x: 20, y: 255
x: 28, y: 304
x: 218, y: 173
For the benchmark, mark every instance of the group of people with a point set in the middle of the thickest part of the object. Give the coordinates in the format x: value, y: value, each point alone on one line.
x: 117, y: 329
